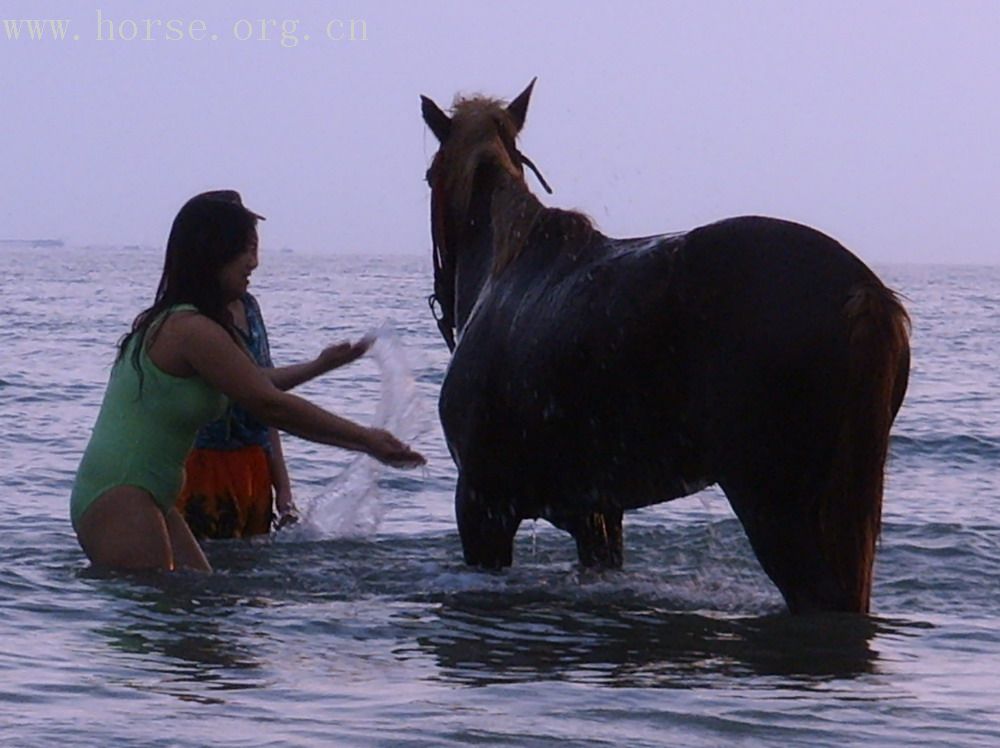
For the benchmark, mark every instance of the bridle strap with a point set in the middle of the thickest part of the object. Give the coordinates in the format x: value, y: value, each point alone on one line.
x: 444, y: 326
x: 531, y: 165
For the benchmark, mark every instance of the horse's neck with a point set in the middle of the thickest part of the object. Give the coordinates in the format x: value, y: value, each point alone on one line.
x: 501, y: 213
x: 474, y: 259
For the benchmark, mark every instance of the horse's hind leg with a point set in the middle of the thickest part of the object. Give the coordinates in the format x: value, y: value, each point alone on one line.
x: 486, y: 528
x: 783, y: 527
x: 598, y: 538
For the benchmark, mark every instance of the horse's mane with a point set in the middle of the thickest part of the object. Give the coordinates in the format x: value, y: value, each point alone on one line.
x: 483, y: 132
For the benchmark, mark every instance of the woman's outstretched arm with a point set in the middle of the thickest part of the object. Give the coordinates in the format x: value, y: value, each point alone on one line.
x: 213, y: 354
x: 332, y: 357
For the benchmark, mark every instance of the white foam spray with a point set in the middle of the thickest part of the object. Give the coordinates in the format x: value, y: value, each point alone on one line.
x: 349, y: 506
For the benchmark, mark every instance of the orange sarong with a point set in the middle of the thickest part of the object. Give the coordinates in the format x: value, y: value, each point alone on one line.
x: 227, y: 493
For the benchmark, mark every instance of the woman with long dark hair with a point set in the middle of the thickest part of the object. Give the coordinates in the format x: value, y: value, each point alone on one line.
x: 176, y: 370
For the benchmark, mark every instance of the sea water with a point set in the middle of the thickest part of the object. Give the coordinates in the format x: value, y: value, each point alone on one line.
x: 370, y: 630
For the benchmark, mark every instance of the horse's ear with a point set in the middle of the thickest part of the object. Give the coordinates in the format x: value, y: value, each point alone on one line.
x: 518, y: 108
x: 438, y: 121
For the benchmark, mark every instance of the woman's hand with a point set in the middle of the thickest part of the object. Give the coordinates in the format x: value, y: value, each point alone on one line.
x: 287, y: 513
x: 387, y: 449
x: 286, y: 519
x: 339, y: 354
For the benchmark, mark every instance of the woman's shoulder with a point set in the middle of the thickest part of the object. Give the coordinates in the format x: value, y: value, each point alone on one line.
x: 176, y: 312
x: 187, y: 320
x: 167, y: 319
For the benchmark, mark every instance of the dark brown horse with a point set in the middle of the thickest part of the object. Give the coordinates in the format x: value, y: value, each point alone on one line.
x: 592, y: 375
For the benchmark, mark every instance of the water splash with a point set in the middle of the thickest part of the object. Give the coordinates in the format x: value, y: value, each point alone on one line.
x: 349, y: 506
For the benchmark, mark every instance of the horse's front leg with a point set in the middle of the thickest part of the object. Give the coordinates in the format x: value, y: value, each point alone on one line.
x: 487, y: 528
x: 598, y: 538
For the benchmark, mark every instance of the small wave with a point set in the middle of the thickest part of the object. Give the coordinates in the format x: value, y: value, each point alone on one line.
x: 958, y: 447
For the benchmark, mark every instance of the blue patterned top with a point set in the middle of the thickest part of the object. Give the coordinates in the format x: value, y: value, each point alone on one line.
x: 237, y: 428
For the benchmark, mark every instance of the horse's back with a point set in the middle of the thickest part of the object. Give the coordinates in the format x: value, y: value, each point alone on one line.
x: 647, y: 364
x: 770, y: 261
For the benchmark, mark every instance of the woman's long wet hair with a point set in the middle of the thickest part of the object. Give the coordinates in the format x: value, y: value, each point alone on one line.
x: 206, y: 234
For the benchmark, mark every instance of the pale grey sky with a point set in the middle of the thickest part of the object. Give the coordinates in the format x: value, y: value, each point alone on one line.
x: 877, y: 122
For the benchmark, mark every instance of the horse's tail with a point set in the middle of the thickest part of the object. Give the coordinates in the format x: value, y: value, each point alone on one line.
x: 878, y: 369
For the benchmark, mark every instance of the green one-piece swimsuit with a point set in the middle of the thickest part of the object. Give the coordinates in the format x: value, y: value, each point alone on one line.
x: 141, y: 438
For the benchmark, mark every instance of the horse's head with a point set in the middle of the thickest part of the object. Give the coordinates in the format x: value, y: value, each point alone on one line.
x: 479, y: 131
x: 478, y: 140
